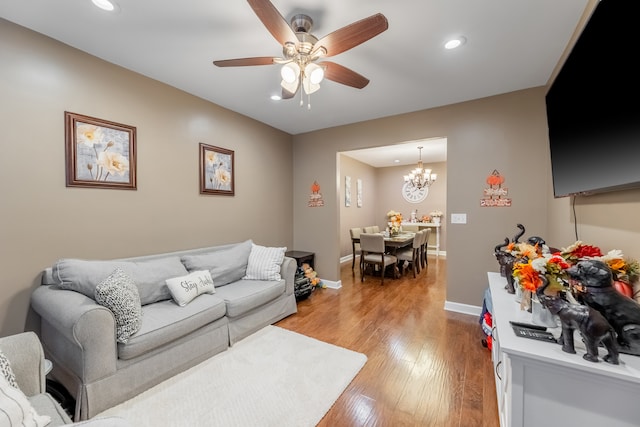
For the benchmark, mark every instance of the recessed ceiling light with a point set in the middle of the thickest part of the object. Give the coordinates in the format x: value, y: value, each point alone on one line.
x: 107, y: 5
x: 276, y: 97
x: 396, y: 161
x: 454, y: 43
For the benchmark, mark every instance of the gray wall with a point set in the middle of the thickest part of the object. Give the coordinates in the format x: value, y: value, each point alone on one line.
x: 42, y: 220
x: 507, y: 133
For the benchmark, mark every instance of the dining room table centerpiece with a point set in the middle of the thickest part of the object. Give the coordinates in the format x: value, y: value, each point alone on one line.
x: 394, y: 222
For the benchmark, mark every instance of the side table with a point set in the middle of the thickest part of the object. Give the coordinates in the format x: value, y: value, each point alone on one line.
x: 301, y: 257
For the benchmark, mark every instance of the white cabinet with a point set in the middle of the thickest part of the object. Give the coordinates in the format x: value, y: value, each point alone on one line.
x: 537, y: 384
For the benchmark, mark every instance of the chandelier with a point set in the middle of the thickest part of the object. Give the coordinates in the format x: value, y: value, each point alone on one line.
x: 420, y: 177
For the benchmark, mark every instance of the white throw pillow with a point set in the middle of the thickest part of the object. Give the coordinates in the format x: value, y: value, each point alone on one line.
x: 120, y: 294
x: 264, y: 263
x: 16, y: 410
x: 185, y: 288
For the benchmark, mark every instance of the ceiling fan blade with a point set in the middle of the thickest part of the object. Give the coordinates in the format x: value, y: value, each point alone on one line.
x: 274, y: 21
x: 352, y: 35
x: 242, y: 62
x: 343, y: 75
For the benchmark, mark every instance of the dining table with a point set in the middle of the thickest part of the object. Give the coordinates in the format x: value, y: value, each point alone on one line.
x: 392, y: 243
x: 400, y: 240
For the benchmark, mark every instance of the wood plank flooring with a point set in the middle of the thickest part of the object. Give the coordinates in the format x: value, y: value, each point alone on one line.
x: 426, y: 366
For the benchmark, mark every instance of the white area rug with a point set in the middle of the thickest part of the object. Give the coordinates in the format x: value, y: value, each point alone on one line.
x: 274, y: 377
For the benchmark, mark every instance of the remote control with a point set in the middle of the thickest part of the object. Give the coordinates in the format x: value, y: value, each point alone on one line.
x: 534, y: 334
x: 529, y: 326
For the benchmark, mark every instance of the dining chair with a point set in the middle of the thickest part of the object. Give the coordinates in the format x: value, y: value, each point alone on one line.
x: 372, y: 229
x: 372, y: 252
x: 412, y: 254
x: 424, y: 261
x: 355, y: 246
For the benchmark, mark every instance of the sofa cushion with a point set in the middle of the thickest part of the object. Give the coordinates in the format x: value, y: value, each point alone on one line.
x: 184, y: 289
x: 84, y: 275
x: 225, y: 265
x: 164, y: 322
x: 245, y: 295
x: 16, y: 410
x: 6, y: 371
x: 119, y: 294
x: 264, y: 263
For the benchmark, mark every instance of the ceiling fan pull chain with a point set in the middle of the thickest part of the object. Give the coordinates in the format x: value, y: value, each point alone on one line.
x: 301, y: 99
x: 309, y: 101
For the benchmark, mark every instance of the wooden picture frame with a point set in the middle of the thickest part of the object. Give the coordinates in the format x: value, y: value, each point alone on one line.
x: 217, y: 170
x: 99, y: 153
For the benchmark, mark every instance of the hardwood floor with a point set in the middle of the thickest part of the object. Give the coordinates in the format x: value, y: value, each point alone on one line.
x: 426, y: 366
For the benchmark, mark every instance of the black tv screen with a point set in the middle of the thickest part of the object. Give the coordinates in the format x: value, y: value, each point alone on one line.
x: 593, y: 106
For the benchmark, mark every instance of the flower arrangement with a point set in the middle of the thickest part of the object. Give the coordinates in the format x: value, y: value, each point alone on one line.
x: 552, y: 267
x: 623, y: 269
x: 579, y: 250
x: 534, y: 265
x: 436, y: 214
x: 524, y: 250
x: 394, y: 221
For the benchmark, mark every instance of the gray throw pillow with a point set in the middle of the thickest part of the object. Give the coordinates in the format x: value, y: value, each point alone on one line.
x: 225, y: 265
x: 119, y: 294
x: 149, y: 276
x: 7, y: 372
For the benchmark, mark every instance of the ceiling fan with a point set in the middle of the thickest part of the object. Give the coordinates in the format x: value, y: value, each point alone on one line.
x: 301, y: 50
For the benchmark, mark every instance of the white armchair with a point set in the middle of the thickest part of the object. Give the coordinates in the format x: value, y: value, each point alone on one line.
x: 26, y: 359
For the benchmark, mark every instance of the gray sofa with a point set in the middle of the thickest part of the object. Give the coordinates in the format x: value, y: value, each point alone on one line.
x: 26, y: 360
x: 79, y: 335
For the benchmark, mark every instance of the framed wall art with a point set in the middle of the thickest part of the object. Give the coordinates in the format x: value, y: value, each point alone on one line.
x: 359, y: 192
x: 216, y: 170
x: 347, y: 191
x: 99, y: 153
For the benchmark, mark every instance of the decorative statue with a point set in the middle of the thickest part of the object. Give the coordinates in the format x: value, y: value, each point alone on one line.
x: 597, y: 291
x: 505, y: 260
x: 592, y: 325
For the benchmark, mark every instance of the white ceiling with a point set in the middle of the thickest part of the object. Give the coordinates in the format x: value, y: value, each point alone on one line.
x: 511, y: 45
x: 434, y: 150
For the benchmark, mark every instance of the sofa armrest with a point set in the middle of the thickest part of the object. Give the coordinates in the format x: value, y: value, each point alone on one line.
x: 76, y: 332
x: 26, y: 358
x: 288, y: 273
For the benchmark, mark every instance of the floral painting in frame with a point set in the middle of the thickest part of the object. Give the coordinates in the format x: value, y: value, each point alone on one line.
x: 99, y: 153
x: 216, y: 170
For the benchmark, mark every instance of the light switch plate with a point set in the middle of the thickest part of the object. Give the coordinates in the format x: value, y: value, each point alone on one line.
x: 458, y: 218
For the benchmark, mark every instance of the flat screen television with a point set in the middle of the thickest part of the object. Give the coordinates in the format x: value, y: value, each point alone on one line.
x: 593, y: 106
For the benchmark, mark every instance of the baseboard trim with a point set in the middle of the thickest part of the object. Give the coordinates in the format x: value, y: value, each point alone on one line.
x: 463, y: 308
x: 331, y: 284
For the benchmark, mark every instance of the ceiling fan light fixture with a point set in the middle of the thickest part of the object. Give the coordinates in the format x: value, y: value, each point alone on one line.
x: 290, y: 72
x: 309, y: 86
x: 315, y: 73
x: 290, y: 87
